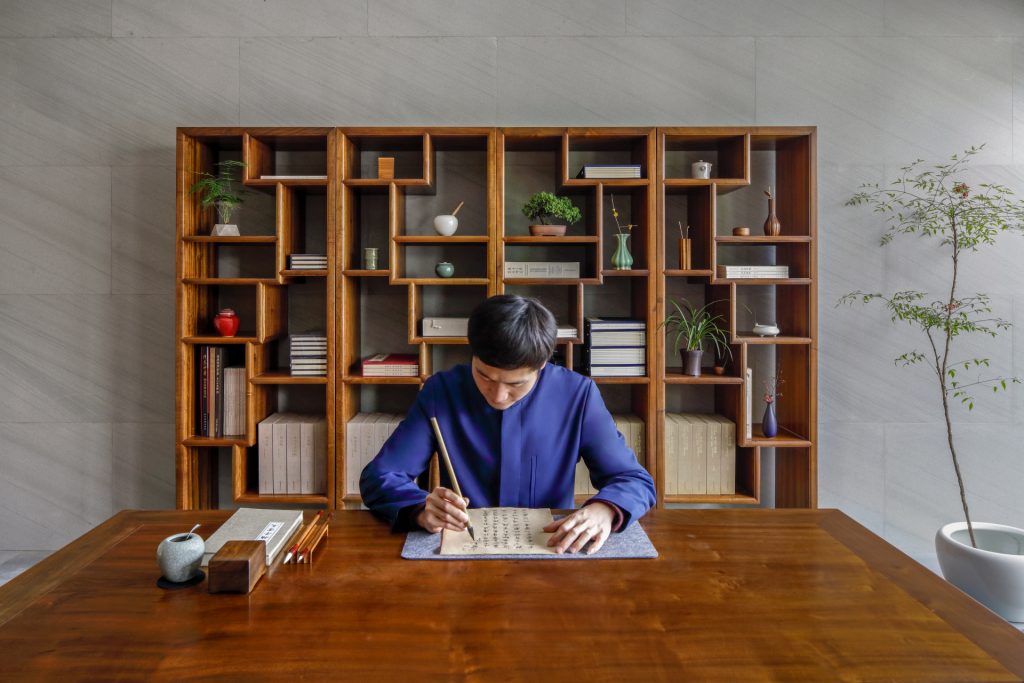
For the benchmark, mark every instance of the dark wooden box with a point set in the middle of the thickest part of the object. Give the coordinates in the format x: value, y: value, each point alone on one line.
x: 237, y: 566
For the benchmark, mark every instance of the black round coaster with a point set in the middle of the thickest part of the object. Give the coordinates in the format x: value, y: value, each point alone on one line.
x: 171, y: 585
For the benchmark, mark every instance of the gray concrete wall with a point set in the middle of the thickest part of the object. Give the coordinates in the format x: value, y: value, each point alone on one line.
x: 92, y: 90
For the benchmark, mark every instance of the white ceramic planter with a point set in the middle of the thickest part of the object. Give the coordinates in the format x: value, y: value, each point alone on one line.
x: 992, y: 573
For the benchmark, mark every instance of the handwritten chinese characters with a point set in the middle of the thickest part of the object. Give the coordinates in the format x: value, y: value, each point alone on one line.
x: 501, y: 531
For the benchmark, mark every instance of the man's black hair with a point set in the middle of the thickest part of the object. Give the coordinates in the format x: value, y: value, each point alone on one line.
x: 511, y: 332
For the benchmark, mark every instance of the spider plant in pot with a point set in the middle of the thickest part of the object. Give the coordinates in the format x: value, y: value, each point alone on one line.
x: 218, y: 190
x: 692, y: 329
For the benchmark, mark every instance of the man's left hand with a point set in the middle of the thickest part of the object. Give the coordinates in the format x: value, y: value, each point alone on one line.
x: 590, y: 524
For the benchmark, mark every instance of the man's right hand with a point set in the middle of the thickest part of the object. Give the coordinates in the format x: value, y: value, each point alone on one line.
x: 444, y: 510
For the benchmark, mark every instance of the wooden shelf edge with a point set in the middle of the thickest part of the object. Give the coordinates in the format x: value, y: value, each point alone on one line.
x: 240, y: 239
x: 640, y: 272
x: 784, y: 439
x: 358, y: 272
x: 450, y: 281
x: 764, y: 282
x: 751, y: 339
x: 439, y: 340
x: 620, y: 380
x: 763, y: 239
x: 211, y: 339
x: 706, y: 377
x: 549, y: 281
x: 384, y: 182
x: 610, y: 182
x: 354, y: 379
x: 238, y: 281
x: 530, y: 239
x: 716, y: 498
x: 441, y: 239
x: 286, y: 498
x: 290, y: 182
x: 705, y: 182
x: 210, y: 442
x: 687, y: 273
x: 285, y: 378
x: 303, y: 273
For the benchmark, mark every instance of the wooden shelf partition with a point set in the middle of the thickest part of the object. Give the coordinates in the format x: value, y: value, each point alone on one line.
x: 327, y: 189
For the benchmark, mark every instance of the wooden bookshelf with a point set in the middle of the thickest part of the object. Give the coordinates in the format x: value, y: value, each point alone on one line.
x: 494, y: 170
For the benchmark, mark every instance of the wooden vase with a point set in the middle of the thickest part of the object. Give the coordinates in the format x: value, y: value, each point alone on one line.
x: 772, y: 227
x: 685, y: 253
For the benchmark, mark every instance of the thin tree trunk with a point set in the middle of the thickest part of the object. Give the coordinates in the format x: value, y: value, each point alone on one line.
x: 956, y: 462
x: 951, y: 304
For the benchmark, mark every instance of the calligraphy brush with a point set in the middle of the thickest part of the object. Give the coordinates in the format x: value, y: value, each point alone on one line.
x: 451, y: 471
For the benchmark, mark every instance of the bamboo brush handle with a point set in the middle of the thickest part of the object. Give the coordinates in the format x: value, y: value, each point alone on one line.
x: 444, y: 456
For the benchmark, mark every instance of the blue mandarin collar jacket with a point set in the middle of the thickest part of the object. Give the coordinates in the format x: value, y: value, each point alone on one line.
x: 523, y: 456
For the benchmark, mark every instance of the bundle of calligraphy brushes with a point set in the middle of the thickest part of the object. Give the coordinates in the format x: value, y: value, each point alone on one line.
x: 308, y: 539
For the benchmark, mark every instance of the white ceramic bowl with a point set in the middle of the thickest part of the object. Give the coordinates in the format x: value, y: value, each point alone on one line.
x: 992, y: 573
x: 766, y: 330
x: 446, y: 225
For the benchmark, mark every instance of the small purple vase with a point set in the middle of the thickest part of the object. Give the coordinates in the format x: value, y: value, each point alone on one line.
x: 769, y: 425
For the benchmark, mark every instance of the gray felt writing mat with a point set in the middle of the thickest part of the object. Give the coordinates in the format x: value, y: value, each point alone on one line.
x: 629, y: 544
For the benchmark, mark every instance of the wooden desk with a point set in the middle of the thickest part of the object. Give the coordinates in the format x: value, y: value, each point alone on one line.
x: 737, y: 595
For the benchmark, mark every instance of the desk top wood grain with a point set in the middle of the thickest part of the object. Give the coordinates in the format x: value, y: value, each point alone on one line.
x: 751, y: 595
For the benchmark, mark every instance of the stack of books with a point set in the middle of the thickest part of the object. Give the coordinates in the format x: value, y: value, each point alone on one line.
x: 307, y: 354
x: 553, y: 270
x: 566, y: 332
x: 234, y: 401
x: 365, y: 435
x: 292, y: 454
x: 632, y: 429
x: 753, y: 272
x: 445, y: 327
x: 609, y: 171
x: 307, y: 262
x: 221, y: 395
x: 614, y: 347
x: 700, y: 454
x: 391, y: 365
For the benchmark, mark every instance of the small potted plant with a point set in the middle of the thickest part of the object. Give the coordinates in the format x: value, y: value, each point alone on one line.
x: 695, y: 328
x: 218, y: 190
x: 545, y: 207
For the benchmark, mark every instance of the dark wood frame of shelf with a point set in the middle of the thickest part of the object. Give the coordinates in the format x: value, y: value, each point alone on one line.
x: 796, y: 446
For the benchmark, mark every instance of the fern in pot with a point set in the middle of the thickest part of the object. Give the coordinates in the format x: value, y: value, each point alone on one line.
x: 695, y: 330
x: 218, y: 190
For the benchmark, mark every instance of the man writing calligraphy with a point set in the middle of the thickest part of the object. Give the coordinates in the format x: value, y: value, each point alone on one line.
x: 515, y: 426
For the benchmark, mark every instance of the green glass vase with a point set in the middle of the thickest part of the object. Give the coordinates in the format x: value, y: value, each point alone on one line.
x: 622, y: 259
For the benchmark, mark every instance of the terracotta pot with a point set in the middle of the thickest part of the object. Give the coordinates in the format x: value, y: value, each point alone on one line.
x: 547, y: 230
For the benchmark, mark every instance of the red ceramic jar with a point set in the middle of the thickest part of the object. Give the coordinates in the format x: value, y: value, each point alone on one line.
x: 226, y: 322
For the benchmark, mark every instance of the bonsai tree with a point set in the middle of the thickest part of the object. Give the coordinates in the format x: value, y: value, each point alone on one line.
x: 934, y: 203
x: 218, y: 190
x: 695, y: 328
x: 544, y: 206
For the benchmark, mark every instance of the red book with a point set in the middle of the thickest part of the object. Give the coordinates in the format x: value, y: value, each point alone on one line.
x: 391, y: 365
